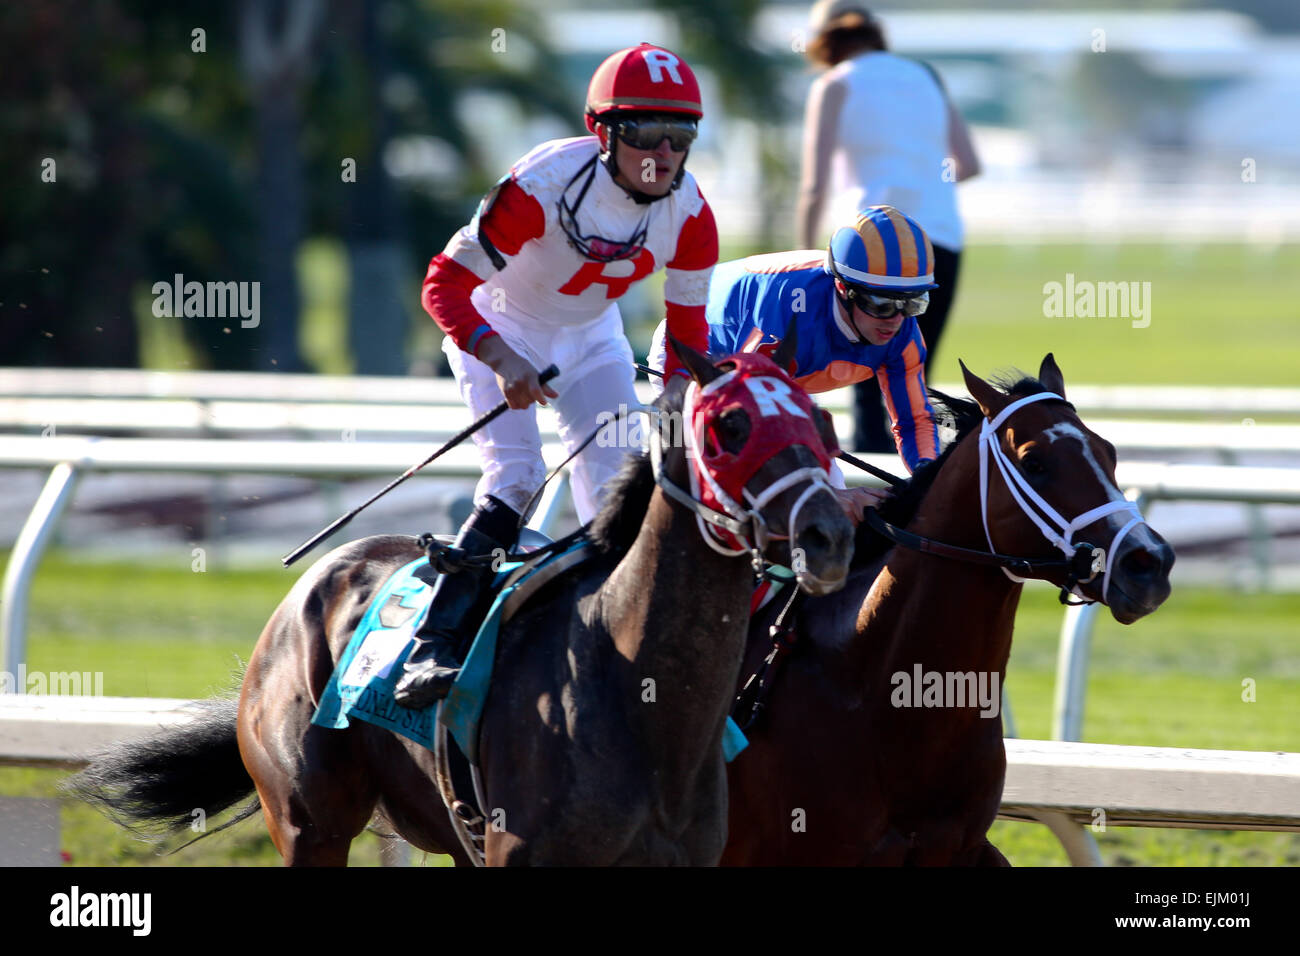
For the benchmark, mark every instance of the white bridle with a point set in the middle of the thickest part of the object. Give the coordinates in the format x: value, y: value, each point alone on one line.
x: 737, y: 520
x: 817, y: 478
x: 1059, y: 532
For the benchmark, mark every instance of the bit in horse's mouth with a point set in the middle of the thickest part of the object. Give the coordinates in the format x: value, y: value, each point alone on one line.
x: 819, y: 587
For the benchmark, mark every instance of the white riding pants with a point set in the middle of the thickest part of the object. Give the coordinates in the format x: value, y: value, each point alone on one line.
x: 596, y: 375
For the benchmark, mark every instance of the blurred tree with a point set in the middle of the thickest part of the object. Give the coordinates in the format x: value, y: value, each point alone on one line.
x: 67, y: 189
x: 140, y: 189
x: 398, y: 77
x: 181, y: 132
x: 716, y: 34
x: 277, y: 47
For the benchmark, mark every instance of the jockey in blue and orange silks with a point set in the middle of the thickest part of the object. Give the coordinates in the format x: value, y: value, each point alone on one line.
x: 854, y: 306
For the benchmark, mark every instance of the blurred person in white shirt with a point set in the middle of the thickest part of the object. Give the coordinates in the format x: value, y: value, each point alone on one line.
x: 881, y: 129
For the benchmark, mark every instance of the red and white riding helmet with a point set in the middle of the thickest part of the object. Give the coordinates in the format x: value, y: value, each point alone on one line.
x: 646, y: 79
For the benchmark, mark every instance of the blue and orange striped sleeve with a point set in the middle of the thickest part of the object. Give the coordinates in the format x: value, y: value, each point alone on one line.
x: 902, y: 385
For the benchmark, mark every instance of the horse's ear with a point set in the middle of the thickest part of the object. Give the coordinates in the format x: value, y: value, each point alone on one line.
x: 785, y: 352
x: 826, y: 429
x: 1050, y: 375
x: 990, y: 400
x: 701, y: 369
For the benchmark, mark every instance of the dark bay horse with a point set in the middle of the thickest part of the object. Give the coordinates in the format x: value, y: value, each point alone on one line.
x: 601, y: 738
x: 861, y: 758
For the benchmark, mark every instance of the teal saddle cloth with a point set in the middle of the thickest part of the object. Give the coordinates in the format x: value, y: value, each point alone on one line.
x: 362, y: 684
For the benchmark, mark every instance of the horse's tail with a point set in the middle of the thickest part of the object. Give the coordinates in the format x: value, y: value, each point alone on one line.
x: 174, y: 779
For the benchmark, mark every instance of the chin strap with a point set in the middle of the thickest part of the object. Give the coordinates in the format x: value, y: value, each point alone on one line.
x: 608, y: 160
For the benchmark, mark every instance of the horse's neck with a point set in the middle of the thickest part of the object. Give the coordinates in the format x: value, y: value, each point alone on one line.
x: 941, y: 613
x: 677, y: 612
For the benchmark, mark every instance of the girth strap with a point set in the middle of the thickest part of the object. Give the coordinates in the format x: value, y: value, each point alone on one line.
x: 752, y: 699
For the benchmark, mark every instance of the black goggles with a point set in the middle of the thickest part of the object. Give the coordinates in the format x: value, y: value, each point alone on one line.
x: 883, y: 306
x: 647, y: 132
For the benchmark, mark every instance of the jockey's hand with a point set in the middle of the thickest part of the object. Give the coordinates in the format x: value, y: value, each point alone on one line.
x: 516, y: 376
x: 856, y: 501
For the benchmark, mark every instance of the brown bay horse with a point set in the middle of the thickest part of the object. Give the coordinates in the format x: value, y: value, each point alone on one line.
x: 853, y: 763
x: 600, y: 741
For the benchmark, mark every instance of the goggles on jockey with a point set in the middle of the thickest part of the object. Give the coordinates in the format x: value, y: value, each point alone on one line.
x: 884, y: 306
x: 647, y: 132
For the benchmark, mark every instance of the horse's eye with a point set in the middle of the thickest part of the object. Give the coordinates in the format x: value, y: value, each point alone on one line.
x: 1032, y: 464
x: 733, y: 429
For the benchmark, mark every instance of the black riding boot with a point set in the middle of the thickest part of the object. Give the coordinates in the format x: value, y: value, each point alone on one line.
x: 436, y: 660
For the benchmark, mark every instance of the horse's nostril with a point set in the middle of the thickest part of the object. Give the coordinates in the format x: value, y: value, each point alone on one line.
x: 814, y: 539
x: 1140, y: 563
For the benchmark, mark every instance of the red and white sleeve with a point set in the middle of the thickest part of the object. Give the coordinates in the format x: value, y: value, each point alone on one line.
x: 512, y: 219
x: 686, y: 288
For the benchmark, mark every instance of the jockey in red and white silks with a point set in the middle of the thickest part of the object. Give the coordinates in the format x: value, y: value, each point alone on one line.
x: 550, y: 303
x: 534, y: 280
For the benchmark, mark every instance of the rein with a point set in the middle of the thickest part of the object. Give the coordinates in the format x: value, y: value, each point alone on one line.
x: 1086, y: 559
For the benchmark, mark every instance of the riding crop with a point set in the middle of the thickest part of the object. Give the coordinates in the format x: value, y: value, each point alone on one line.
x: 546, y: 375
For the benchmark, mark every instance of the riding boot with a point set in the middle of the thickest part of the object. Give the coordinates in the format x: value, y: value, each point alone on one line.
x: 455, y: 607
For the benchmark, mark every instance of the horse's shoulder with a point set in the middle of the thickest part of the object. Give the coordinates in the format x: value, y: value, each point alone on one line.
x: 558, y: 641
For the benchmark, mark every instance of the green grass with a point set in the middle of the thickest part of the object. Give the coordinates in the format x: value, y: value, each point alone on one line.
x: 1173, y: 680
x: 1196, y: 333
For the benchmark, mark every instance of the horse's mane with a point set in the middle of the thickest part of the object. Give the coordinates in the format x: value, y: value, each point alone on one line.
x: 616, y: 525
x: 963, y: 416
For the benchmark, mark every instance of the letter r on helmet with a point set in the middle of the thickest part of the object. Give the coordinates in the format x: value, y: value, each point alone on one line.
x: 659, y: 60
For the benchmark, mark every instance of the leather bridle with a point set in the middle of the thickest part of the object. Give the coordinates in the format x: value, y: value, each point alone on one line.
x: 1081, y: 563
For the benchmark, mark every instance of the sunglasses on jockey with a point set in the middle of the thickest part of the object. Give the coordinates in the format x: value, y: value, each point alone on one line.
x: 880, y: 306
x: 647, y: 132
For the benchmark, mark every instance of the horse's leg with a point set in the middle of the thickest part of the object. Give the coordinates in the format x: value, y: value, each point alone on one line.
x: 317, y: 801
x: 316, y: 789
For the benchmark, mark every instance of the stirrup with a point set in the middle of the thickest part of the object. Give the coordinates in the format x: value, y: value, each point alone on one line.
x: 426, y: 684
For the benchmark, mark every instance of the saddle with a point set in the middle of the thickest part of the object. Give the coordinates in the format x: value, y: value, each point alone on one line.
x: 362, y: 684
